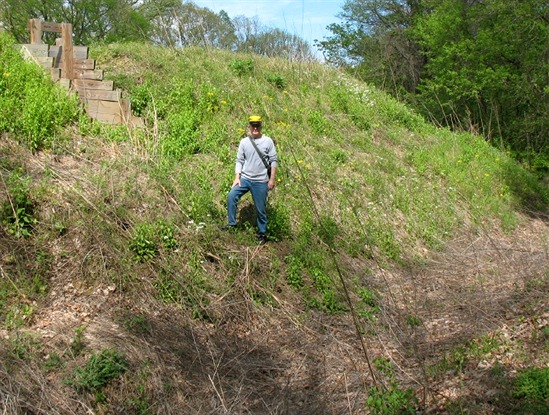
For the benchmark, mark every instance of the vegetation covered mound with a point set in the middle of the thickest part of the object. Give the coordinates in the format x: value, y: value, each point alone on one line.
x: 406, y: 269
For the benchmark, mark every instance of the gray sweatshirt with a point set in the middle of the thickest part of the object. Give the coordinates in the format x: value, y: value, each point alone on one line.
x: 248, y: 163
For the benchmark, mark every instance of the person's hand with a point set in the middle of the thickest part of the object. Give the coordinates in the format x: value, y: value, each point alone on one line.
x: 271, y: 184
x: 236, y: 182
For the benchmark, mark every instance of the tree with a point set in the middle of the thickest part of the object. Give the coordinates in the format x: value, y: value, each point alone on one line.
x: 103, y: 20
x: 253, y: 37
x: 487, y: 69
x: 375, y: 44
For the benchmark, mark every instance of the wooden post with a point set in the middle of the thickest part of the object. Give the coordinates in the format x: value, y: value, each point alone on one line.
x: 67, y: 51
x: 35, y: 27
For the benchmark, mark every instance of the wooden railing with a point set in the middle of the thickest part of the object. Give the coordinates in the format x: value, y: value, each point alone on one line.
x: 37, y: 27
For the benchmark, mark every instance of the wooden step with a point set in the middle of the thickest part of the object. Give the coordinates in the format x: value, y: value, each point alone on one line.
x: 79, y: 52
x: 80, y: 64
x: 109, y: 112
x: 90, y: 95
x: 55, y: 73
x: 91, y: 84
x: 44, y: 61
x: 39, y: 50
x: 96, y: 74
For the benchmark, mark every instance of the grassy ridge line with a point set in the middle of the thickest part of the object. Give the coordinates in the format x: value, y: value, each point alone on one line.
x: 364, y: 150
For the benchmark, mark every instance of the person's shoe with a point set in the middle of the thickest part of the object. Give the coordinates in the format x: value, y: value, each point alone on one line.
x: 262, y: 238
x: 228, y: 228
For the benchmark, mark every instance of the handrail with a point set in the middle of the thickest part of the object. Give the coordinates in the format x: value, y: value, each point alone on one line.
x: 37, y: 27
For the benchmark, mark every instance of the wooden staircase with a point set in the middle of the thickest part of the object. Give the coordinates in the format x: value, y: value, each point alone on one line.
x: 76, y: 72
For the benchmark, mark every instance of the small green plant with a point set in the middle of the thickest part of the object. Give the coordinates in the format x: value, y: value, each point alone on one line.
x: 279, y: 223
x: 17, y: 213
x: 140, y: 98
x: 324, y: 285
x: 53, y: 362
x: 23, y: 345
x: 319, y: 124
x: 532, y: 387
x: 339, y: 156
x: 276, y: 80
x: 143, y: 244
x: 100, y: 369
x: 18, y: 316
x: 167, y: 235
x: 368, y: 306
x: 328, y: 230
x: 294, y: 271
x: 78, y: 343
x: 391, y: 399
x: 242, y: 67
x: 413, y: 321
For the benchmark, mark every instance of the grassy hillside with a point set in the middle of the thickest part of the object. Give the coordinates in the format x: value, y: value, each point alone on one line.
x: 407, y: 268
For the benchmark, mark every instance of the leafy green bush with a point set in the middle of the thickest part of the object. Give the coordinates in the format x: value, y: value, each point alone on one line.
x: 143, y: 242
x: 532, y: 386
x: 100, y: 369
x: 242, y: 67
x: 31, y: 105
x: 275, y: 79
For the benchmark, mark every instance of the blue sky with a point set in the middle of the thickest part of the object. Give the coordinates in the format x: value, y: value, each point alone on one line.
x: 305, y: 18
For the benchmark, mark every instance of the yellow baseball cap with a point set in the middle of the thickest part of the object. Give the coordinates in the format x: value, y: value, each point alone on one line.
x: 254, y: 119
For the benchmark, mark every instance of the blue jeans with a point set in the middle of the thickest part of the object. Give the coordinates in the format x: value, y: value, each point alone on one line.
x: 259, y: 192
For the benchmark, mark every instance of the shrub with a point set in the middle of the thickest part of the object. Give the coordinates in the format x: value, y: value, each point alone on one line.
x: 31, y: 105
x: 532, y: 386
x: 242, y: 67
x: 17, y: 213
x: 99, y: 370
x: 391, y: 399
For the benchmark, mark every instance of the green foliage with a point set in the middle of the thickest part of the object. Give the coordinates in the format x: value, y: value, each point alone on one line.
x: 92, y: 20
x: 53, y: 363
x: 140, y: 98
x: 24, y: 346
x: 478, y: 66
x: 31, y: 106
x: 319, y: 124
x: 190, y: 289
x: 482, y: 70
x: 392, y: 399
x: 143, y: 243
x: 413, y: 321
x: 100, y: 369
x: 18, y: 316
x: 275, y: 79
x: 147, y: 239
x: 369, y: 303
x: 242, y: 67
x: 532, y: 388
x: 328, y: 230
x: 339, y: 156
x: 78, y: 343
x: 279, y: 222
x: 294, y: 269
x: 18, y: 212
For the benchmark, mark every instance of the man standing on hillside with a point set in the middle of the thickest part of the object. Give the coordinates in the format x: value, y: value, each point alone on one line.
x: 255, y: 172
